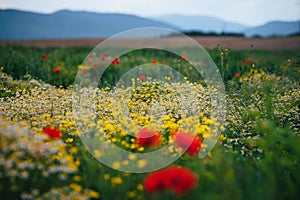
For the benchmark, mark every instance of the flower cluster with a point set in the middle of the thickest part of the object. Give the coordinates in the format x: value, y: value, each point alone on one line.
x: 47, y: 111
x: 27, y: 154
x: 260, y: 97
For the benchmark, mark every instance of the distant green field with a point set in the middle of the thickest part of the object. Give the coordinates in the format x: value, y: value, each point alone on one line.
x: 21, y: 61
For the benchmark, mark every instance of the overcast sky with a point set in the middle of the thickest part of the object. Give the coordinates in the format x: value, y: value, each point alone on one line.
x: 248, y: 12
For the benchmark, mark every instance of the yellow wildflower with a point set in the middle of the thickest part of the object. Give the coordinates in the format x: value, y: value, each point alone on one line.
x: 116, y: 180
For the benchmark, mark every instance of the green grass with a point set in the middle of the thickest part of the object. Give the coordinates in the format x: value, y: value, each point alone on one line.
x: 20, y: 61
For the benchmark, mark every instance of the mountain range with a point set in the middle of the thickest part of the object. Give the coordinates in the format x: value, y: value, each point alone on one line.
x: 213, y: 24
x: 16, y: 24
x: 69, y: 24
x: 202, y: 23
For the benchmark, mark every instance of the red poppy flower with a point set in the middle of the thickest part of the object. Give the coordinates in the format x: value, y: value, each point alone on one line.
x: 237, y: 74
x: 201, y: 63
x: 52, y: 132
x: 157, y: 181
x: 142, y: 78
x: 44, y: 57
x: 154, y: 62
x: 147, y: 138
x: 84, y: 71
x: 188, y: 141
x: 56, y: 70
x: 179, y: 179
x: 183, y: 58
x: 96, y: 65
x: 115, y: 61
x: 104, y: 54
x: 101, y: 58
x: 91, y: 55
x: 249, y: 60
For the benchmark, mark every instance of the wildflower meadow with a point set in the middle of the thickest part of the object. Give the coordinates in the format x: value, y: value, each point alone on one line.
x: 44, y: 155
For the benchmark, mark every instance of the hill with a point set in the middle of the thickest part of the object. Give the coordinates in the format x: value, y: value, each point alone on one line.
x: 202, y: 23
x: 275, y: 28
x: 70, y: 24
x: 213, y: 24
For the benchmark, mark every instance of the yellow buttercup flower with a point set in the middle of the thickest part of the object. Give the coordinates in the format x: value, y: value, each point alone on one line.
x: 76, y: 187
x: 94, y: 194
x: 116, y: 180
x: 142, y: 163
x: 106, y: 177
x: 222, y: 137
x: 77, y: 178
